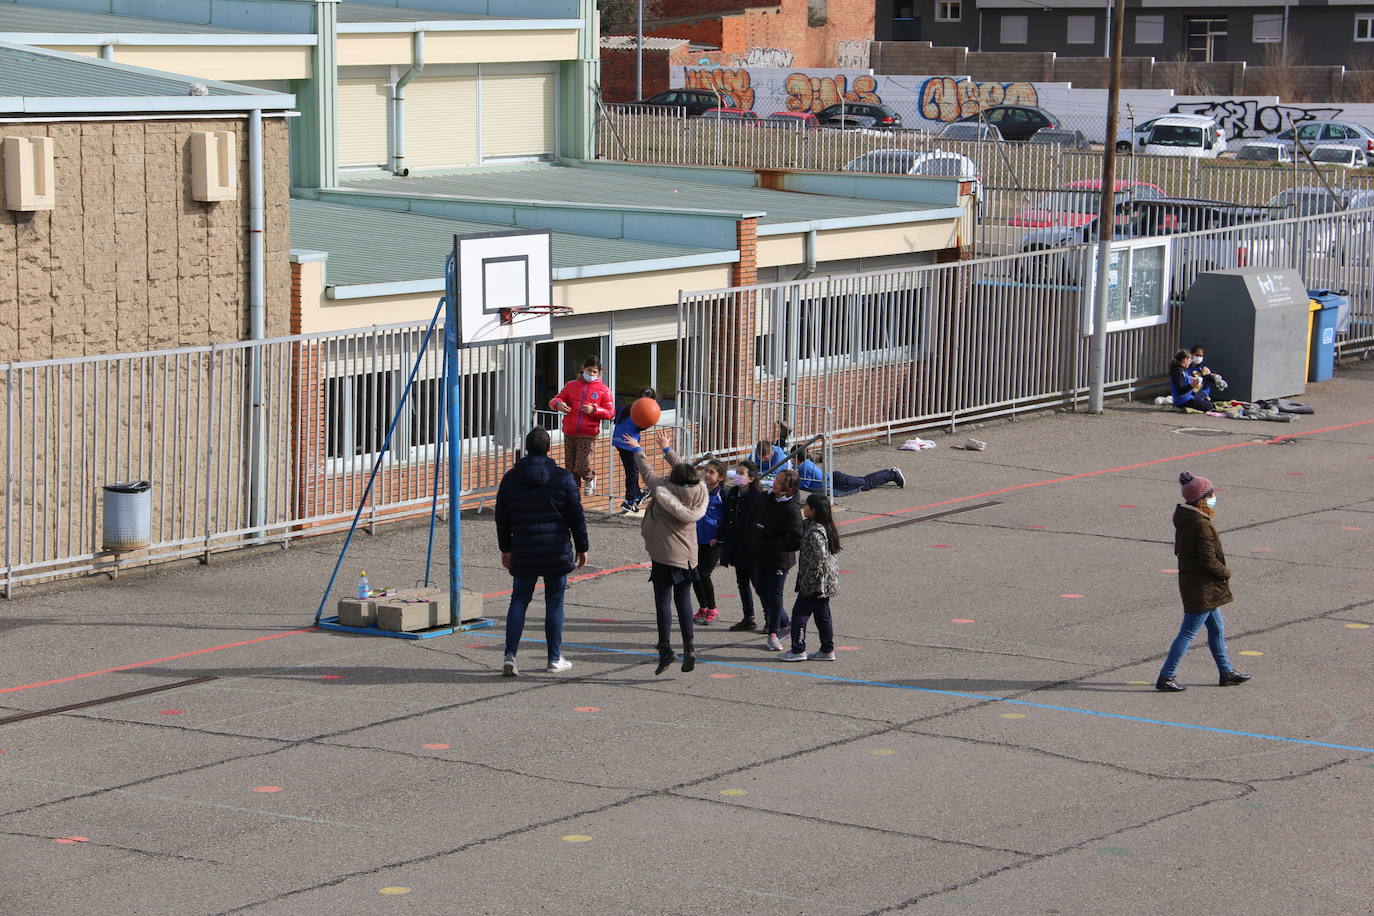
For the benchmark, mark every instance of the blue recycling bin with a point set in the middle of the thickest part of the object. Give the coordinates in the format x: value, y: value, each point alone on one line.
x: 1326, y: 314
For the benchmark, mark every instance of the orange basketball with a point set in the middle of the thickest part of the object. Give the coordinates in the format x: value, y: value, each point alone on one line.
x: 645, y: 412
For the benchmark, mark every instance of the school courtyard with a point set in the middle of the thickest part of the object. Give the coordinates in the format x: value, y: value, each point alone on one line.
x: 988, y: 740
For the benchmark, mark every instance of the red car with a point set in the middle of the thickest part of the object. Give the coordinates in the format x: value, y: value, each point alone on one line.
x: 1079, y: 202
x: 730, y: 114
x: 795, y: 120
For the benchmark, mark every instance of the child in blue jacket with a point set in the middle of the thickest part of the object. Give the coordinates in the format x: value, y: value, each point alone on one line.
x: 625, y: 425
x: 709, y: 541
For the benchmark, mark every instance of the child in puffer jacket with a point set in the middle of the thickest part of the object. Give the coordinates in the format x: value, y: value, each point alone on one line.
x: 818, y: 580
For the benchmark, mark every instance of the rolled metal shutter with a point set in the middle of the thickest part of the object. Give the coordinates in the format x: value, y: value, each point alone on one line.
x: 519, y: 115
x: 362, y: 122
x: 441, y: 122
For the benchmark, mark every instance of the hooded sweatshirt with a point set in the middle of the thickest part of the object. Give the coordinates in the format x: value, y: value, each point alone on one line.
x: 1204, y: 581
x: 669, y: 525
x: 539, y: 519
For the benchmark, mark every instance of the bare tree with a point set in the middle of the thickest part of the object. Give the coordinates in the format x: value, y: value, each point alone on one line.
x: 1357, y: 84
x: 1182, y: 75
x: 619, y: 17
x: 1281, y: 73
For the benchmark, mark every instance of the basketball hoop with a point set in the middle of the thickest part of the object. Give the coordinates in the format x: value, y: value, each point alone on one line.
x: 523, y: 312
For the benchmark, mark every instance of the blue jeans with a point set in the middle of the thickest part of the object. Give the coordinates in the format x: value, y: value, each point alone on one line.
x: 1216, y: 641
x: 770, y: 583
x: 521, y: 593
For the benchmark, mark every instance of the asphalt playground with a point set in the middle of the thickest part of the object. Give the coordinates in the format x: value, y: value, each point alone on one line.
x: 988, y: 740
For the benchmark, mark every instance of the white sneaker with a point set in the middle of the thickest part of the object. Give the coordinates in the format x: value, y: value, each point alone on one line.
x: 823, y: 656
x: 509, y: 669
x: 774, y: 644
x: 790, y: 656
x: 590, y: 488
x: 558, y: 664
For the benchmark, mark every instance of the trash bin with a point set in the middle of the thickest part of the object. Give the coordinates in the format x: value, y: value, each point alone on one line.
x: 128, y: 522
x: 1338, y: 299
x: 1321, y: 355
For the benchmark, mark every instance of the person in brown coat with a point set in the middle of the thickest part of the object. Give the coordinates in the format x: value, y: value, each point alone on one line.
x: 1204, y: 582
x: 669, y: 530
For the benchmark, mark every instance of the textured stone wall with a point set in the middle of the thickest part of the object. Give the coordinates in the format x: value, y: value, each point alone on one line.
x: 127, y: 261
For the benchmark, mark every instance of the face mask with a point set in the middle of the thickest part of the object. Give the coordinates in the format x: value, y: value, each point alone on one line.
x: 588, y: 377
x: 1197, y: 360
x: 1210, y: 502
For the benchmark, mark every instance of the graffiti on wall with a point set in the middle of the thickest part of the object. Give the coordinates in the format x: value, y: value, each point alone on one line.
x: 735, y: 82
x: 1248, y: 118
x: 945, y: 98
x: 812, y: 93
x: 851, y: 54
x: 765, y: 57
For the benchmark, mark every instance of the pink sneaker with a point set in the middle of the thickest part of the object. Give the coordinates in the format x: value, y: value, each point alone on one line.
x: 700, y: 615
x: 711, y: 615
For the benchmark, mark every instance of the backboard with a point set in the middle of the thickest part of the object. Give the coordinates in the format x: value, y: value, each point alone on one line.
x: 499, y: 273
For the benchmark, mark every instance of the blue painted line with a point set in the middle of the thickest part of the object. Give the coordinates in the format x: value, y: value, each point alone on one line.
x: 978, y: 696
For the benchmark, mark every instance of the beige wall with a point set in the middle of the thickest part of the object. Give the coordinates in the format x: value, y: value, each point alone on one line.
x: 459, y: 47
x: 127, y: 260
x: 221, y: 63
x: 844, y: 244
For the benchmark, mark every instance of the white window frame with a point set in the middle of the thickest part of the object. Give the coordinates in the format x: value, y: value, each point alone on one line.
x: 949, y: 11
x: 1366, y: 20
x: 1272, y: 20
x: 1156, y: 25
x: 1126, y: 248
x: 1004, y: 21
x: 1072, y: 21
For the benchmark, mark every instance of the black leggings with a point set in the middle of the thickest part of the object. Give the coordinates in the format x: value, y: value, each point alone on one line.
x: 668, y: 595
x: 744, y: 581
x: 707, y: 558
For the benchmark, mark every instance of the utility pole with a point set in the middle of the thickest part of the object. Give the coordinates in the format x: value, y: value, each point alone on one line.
x: 639, y: 53
x: 1106, y: 221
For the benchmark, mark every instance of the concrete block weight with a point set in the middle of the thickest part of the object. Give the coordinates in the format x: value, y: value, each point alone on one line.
x: 412, y: 609
x: 354, y: 612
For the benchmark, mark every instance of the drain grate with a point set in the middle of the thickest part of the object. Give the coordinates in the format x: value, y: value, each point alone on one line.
x: 1201, y: 431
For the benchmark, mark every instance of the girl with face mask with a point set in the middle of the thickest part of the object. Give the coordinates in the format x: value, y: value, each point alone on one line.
x: 1203, y: 583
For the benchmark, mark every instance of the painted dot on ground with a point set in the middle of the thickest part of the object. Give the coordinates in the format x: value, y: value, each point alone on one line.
x: 1168, y: 570
x: 474, y: 645
x: 1251, y: 652
x: 1351, y: 528
x: 722, y: 677
x: 586, y: 709
x: 1295, y: 473
x: 1264, y: 550
x: 170, y: 712
x: 1070, y: 595
x: 1036, y: 527
x: 733, y: 793
x: 1348, y: 626
x: 940, y: 546
x: 847, y: 648
x: 1127, y: 506
x: 68, y: 840
x: 435, y: 747
x: 960, y: 620
x: 882, y: 752
x: 331, y: 677
x: 1113, y: 850
x: 845, y: 572
x: 393, y: 891
x: 267, y: 788
x: 577, y: 838
x: 729, y: 596
x: 1013, y: 715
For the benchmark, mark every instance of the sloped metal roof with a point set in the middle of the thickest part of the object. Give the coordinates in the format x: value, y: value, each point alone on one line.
x: 549, y: 184
x: 38, y: 20
x: 34, y: 73
x: 367, y: 245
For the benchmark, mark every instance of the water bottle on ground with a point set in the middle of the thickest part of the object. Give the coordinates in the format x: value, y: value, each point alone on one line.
x: 364, y: 590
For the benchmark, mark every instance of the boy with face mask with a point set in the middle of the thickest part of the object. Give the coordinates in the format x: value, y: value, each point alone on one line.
x: 584, y: 403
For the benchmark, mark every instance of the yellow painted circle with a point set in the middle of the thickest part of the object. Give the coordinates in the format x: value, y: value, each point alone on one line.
x: 394, y: 891
x: 577, y: 838
x: 1013, y: 715
x: 1138, y: 683
x: 882, y: 752
x: 1251, y: 652
x: 1357, y: 626
x: 734, y: 792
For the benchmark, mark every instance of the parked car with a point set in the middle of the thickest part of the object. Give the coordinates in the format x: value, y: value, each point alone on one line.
x: 1015, y: 122
x: 850, y: 115
x: 730, y: 114
x: 1078, y: 204
x: 694, y: 101
x: 1130, y: 138
x: 971, y: 130
x: 1059, y: 136
x: 1266, y: 151
x: 910, y: 162
x: 1314, y: 133
x: 1182, y: 136
x: 791, y: 120
x: 1351, y: 157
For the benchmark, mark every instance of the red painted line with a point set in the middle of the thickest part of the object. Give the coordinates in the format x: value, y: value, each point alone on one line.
x: 1085, y: 474
x: 607, y: 572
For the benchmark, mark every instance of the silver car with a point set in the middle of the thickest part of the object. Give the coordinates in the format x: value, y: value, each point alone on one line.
x: 1341, y: 133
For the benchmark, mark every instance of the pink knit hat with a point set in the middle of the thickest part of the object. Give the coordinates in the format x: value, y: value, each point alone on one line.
x: 1194, y: 488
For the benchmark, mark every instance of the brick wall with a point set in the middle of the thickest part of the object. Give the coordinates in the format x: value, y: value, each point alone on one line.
x: 127, y: 260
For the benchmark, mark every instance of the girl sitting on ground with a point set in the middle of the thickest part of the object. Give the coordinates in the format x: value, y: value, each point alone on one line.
x: 1185, y: 388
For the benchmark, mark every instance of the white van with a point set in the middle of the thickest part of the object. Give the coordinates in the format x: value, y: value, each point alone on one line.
x: 1184, y: 136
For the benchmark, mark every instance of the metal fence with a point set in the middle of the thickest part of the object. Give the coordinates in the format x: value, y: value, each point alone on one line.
x: 730, y: 427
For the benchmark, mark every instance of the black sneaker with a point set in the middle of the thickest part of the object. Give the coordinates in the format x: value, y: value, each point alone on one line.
x: 1232, y: 678
x: 745, y: 624
x: 1169, y: 685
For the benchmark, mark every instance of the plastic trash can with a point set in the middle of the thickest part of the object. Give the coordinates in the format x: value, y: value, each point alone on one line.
x: 1338, y: 299
x: 1321, y: 355
x: 128, y: 521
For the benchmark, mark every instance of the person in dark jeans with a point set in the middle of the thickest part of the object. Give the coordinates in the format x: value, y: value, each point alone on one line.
x: 541, y: 531
x: 625, y: 425
x: 735, y: 534
x: 708, y: 542
x: 841, y: 484
x: 1187, y: 388
x: 777, y: 537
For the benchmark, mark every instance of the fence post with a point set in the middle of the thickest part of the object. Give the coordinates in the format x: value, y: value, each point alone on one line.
x: 9, y: 482
x: 211, y: 452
